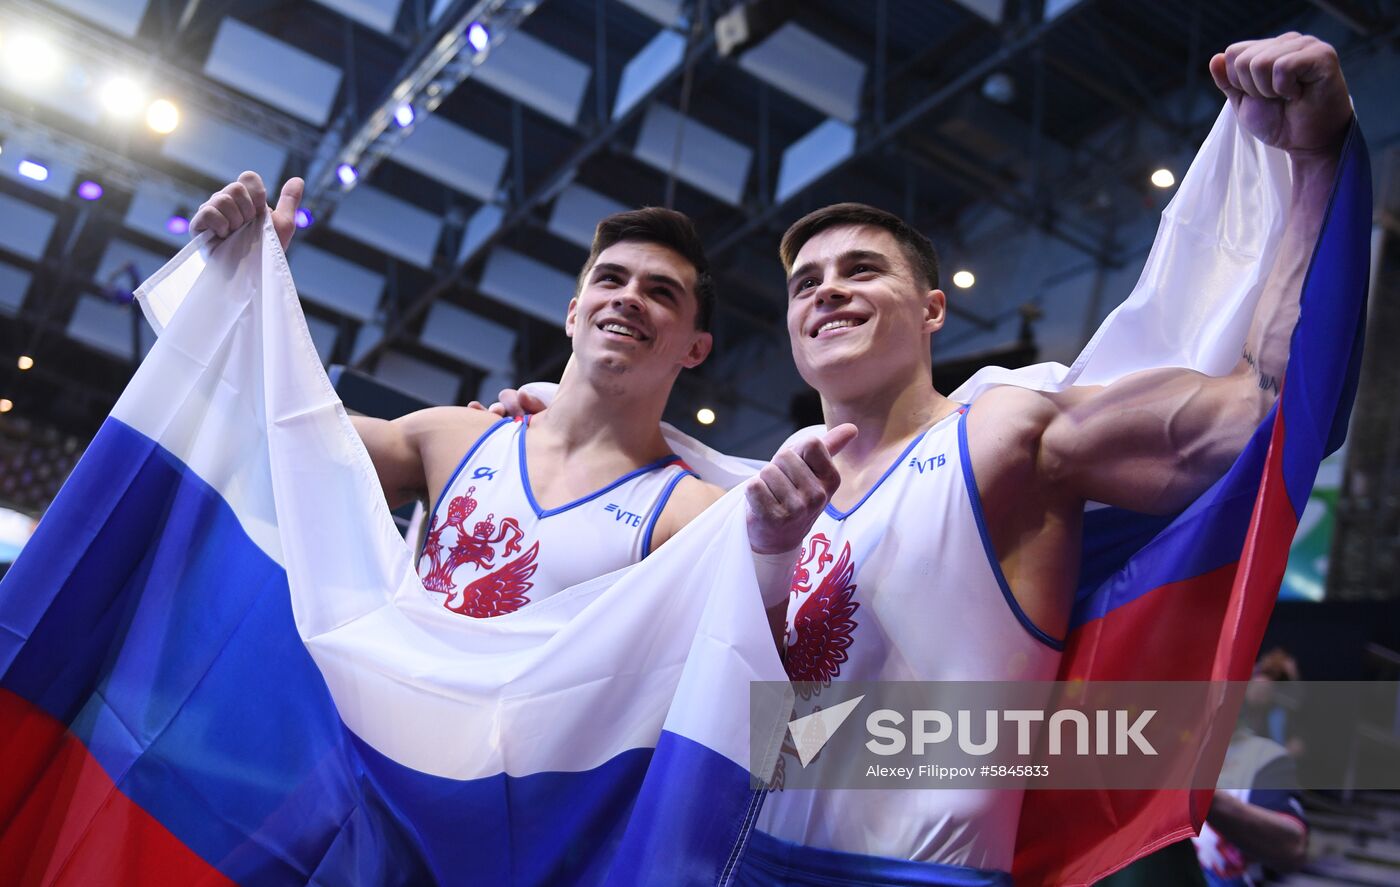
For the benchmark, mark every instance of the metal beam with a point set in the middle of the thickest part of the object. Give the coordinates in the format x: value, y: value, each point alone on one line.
x: 105, y: 52
x: 562, y: 176
x: 441, y: 62
x: 909, y: 117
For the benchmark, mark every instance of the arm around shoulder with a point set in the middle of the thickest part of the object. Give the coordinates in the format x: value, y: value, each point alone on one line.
x: 688, y: 499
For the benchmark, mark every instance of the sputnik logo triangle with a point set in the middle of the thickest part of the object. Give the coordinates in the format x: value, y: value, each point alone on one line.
x: 811, y: 732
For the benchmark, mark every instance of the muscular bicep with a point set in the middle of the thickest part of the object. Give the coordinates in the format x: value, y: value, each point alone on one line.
x: 394, y: 451
x: 1152, y: 441
x: 688, y: 499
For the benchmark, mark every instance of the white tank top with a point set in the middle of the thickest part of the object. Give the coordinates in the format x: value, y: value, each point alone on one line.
x: 905, y: 587
x: 491, y: 548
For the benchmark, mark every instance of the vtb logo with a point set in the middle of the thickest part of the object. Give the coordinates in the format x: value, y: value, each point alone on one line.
x: 932, y: 462
x: 630, y: 518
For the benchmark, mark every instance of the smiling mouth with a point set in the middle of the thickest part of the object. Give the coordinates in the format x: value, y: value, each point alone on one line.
x: 621, y: 329
x: 843, y: 324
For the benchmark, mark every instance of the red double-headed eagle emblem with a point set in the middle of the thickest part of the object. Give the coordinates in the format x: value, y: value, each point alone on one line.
x: 824, y: 627
x: 494, y: 590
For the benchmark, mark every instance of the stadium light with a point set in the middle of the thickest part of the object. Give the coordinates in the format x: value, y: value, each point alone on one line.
x: 31, y: 170
x: 1163, y: 178
x: 178, y: 224
x: 30, y: 58
x: 403, y: 115
x: 478, y: 36
x: 304, y: 218
x: 25, y: 362
x: 347, y: 174
x: 964, y: 279
x: 705, y: 416
x: 162, y: 116
x: 6, y: 405
x: 122, y: 97
x: 90, y: 190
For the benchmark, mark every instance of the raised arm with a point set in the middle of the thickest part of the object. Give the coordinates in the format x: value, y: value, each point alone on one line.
x: 1153, y: 441
x: 413, y: 454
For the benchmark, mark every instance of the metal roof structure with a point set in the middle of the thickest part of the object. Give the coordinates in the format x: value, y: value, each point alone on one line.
x: 447, y: 266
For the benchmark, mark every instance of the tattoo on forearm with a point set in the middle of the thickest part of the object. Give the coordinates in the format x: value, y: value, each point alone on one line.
x: 1266, y: 382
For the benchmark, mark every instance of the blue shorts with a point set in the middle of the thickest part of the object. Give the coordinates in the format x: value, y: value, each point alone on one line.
x: 770, y: 861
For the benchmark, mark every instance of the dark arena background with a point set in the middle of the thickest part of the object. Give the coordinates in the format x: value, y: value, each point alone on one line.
x: 457, y: 154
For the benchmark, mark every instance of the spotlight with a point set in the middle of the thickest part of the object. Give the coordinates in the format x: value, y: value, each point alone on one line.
x: 31, y: 170
x: 6, y: 405
x: 478, y: 36
x: 1163, y: 178
x: 347, y: 174
x: 403, y: 115
x: 963, y: 279
x: 30, y: 58
x: 999, y: 88
x: 705, y: 416
x: 304, y: 218
x: 178, y: 224
x: 25, y: 362
x: 121, y: 97
x: 162, y: 116
x: 90, y: 190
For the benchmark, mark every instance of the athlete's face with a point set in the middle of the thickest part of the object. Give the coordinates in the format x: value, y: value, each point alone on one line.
x: 637, y: 311
x: 857, y: 310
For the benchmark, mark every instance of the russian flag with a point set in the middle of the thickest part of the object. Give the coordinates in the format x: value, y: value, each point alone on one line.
x: 1187, y: 598
x: 217, y: 662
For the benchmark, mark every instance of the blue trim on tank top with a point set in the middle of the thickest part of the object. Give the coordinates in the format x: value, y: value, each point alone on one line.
x: 839, y: 515
x: 661, y: 506
x: 976, y: 498
x: 769, y: 860
x: 471, y: 451
x: 550, y: 512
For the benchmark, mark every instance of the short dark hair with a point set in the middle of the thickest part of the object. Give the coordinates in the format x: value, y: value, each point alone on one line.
x: 664, y: 227
x: 918, y: 249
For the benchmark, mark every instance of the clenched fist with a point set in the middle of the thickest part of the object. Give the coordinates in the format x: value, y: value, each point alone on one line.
x: 240, y: 202
x: 1288, y: 92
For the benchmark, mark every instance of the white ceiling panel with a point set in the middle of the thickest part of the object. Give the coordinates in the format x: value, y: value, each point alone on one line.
x: 666, y: 12
x: 108, y: 327
x: 335, y: 283
x: 222, y: 151
x: 457, y: 157
x: 61, y: 176
x: 654, y: 63
x: 276, y: 72
x: 151, y: 208
x: 323, y: 336
x: 468, y: 337
x: 810, y: 70
x: 389, y: 224
x: 378, y: 14
x: 809, y: 157
x: 530, y: 286
x: 436, y: 386
x: 576, y: 214
x: 122, y: 16
x: 483, y: 223
x: 24, y: 227
x: 112, y: 270
x: 13, y: 284
x: 709, y: 160
x: 536, y: 74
